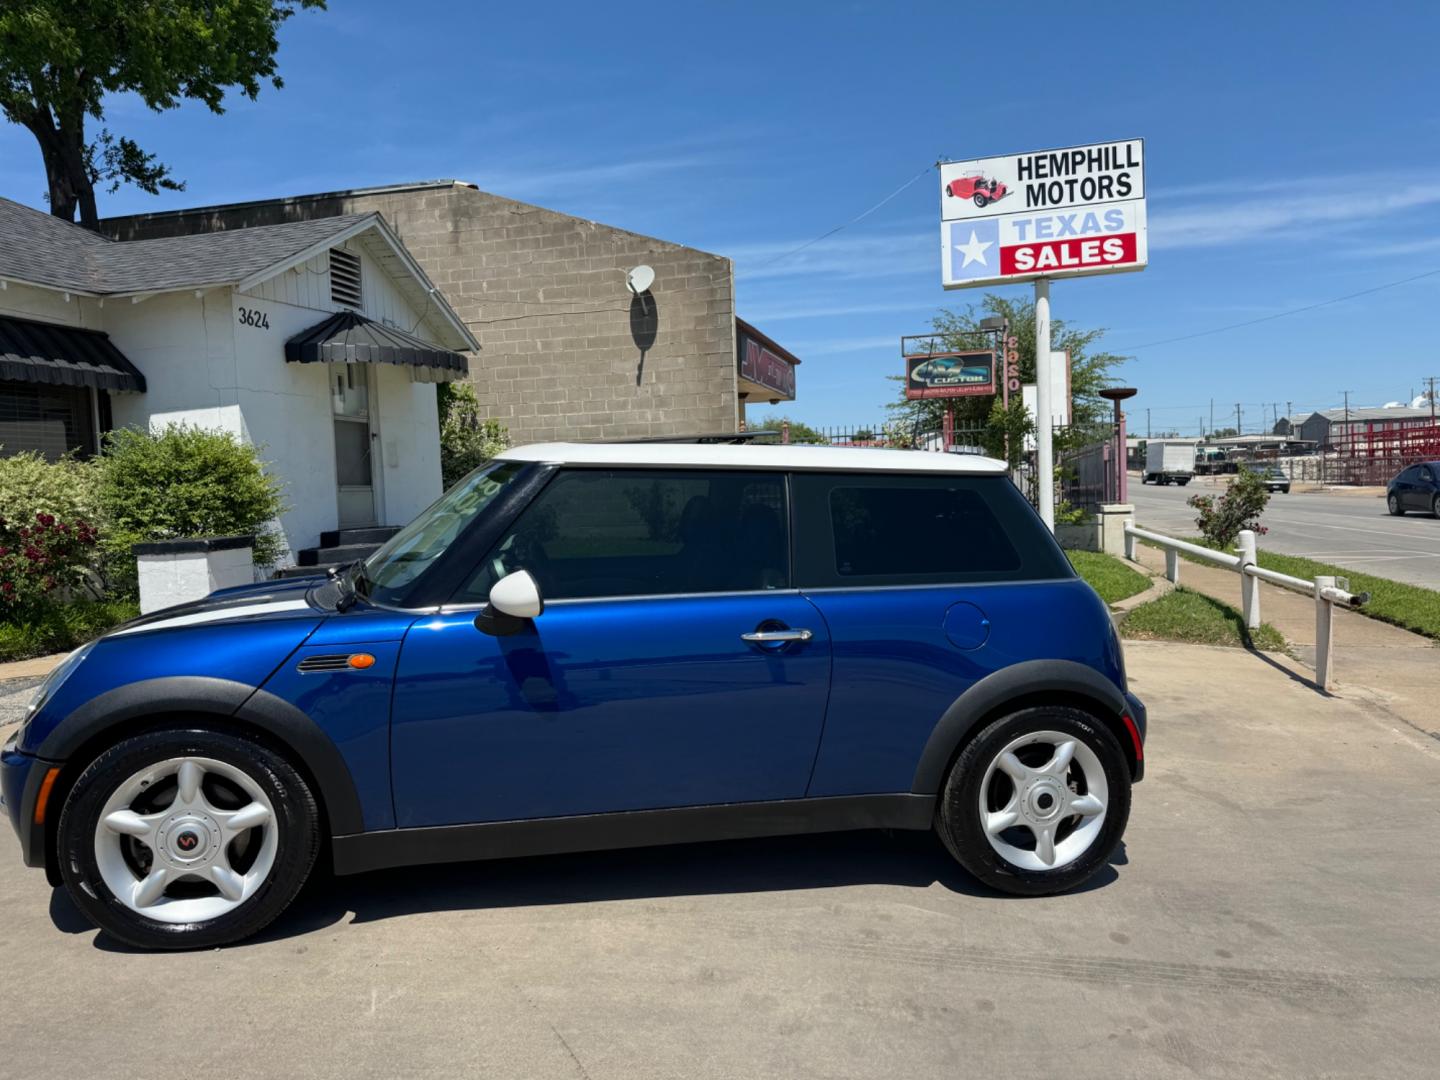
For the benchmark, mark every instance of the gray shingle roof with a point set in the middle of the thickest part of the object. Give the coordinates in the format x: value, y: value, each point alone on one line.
x: 34, y: 246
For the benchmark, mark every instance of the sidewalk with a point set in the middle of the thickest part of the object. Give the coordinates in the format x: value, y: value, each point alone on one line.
x: 1373, y: 661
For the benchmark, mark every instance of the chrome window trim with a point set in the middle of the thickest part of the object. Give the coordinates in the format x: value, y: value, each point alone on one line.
x: 456, y: 609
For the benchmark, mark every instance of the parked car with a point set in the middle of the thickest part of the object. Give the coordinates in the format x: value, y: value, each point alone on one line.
x: 1417, y: 487
x: 975, y: 187
x: 1275, y: 479
x: 582, y: 647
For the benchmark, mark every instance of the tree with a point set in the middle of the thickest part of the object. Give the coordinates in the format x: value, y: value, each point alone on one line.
x: 1090, y: 368
x: 1238, y: 507
x: 467, y: 440
x: 60, y: 59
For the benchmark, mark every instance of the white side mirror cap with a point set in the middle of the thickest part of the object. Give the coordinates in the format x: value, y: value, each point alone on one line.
x: 518, y: 595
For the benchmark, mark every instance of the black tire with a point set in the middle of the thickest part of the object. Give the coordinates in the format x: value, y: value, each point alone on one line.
x: 1183, y: 482
x: 1435, y: 505
x: 1392, y: 503
x: 297, y: 823
x: 980, y: 200
x: 958, y: 818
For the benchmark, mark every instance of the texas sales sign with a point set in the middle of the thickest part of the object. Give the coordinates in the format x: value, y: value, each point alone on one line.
x: 1053, y: 213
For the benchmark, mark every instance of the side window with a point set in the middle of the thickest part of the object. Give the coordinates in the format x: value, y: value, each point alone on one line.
x: 626, y: 532
x: 874, y: 529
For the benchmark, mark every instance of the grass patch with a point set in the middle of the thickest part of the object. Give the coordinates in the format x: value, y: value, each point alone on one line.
x: 1410, y: 607
x: 61, y: 627
x: 1193, y: 617
x: 1107, y: 575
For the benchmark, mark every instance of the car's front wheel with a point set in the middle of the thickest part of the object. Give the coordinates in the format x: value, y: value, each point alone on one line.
x: 187, y: 839
x: 1037, y: 802
x: 1393, y: 502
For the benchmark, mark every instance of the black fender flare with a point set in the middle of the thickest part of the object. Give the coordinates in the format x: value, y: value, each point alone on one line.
x: 1028, y: 679
x: 243, y: 704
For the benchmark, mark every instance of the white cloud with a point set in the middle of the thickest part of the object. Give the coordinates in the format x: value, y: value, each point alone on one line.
x: 825, y: 309
x: 863, y: 255
x: 835, y: 346
x: 1309, y: 202
x: 563, y: 177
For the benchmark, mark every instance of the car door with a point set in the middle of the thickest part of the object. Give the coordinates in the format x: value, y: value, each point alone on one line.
x: 927, y: 583
x: 643, y: 684
x: 1425, y: 489
x: 1405, y: 485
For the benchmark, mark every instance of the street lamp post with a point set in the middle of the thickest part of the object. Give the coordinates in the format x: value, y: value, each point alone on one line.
x: 1117, y: 394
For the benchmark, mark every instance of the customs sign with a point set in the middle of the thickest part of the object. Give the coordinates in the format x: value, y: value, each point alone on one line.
x: 1052, y: 213
x: 951, y: 374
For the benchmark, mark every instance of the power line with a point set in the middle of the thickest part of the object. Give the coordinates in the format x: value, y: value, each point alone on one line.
x: 852, y: 221
x: 1278, y: 314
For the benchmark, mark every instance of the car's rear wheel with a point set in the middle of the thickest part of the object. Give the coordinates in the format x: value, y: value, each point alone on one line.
x: 1435, y: 505
x: 980, y: 200
x: 1037, y: 802
x: 187, y: 839
x: 1393, y: 502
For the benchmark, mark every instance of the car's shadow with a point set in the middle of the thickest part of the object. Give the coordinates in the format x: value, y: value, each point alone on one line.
x: 780, y: 864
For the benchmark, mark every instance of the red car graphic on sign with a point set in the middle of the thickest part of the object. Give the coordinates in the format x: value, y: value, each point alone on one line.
x: 976, y: 187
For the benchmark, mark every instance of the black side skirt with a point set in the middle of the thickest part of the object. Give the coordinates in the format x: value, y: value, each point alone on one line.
x: 359, y: 852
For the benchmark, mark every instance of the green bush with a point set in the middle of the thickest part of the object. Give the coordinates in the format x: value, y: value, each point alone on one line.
x: 184, y: 482
x: 1238, y: 507
x: 467, y: 440
x: 65, y: 489
x: 60, y: 627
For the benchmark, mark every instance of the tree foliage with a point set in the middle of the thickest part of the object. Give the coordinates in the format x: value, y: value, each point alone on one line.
x: 467, y: 440
x: 1091, y: 367
x: 799, y: 433
x: 61, y: 59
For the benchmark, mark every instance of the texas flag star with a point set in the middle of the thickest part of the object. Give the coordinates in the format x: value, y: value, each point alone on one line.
x: 969, y: 245
x: 974, y: 249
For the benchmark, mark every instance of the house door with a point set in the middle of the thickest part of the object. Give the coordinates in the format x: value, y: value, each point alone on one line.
x: 356, y: 443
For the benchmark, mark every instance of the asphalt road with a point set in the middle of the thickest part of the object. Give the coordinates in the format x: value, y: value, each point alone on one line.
x: 1351, y: 530
x: 1271, y: 914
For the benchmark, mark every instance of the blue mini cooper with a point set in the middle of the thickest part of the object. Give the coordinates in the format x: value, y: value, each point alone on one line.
x: 582, y: 647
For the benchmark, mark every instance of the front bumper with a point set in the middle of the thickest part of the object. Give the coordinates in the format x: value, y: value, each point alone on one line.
x: 20, y: 778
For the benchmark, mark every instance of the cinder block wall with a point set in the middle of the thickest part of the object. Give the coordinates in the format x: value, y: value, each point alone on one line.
x: 567, y: 351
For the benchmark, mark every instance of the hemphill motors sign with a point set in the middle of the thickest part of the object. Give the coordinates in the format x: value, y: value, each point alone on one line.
x: 1048, y: 214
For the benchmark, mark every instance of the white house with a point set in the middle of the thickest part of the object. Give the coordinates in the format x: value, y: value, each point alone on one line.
x: 319, y: 341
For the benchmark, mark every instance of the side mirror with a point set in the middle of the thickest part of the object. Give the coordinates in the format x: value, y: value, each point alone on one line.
x: 517, y: 595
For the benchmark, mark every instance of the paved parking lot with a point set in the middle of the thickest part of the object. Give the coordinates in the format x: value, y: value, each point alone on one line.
x: 1273, y: 913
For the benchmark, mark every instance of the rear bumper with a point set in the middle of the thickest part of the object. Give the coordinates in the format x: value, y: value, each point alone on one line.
x: 20, y: 778
x: 1135, y: 710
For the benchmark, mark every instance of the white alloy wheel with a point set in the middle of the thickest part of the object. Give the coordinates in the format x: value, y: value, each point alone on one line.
x: 186, y: 840
x: 1043, y: 800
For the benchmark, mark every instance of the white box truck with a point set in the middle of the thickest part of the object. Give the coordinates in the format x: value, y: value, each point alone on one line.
x: 1169, y: 461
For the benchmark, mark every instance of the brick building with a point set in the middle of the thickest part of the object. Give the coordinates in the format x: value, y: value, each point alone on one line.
x: 567, y: 351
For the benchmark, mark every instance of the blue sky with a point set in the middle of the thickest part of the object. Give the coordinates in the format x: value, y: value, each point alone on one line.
x: 1293, y: 155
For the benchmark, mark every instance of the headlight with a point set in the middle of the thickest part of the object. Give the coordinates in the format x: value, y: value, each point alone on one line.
x: 52, y: 682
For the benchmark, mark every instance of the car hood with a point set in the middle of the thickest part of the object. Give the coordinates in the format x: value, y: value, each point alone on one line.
x: 270, y: 600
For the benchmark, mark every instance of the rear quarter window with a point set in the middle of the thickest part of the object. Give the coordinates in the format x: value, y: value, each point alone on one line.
x: 867, y: 529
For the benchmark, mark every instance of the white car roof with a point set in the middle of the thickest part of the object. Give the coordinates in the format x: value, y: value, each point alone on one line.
x: 792, y: 457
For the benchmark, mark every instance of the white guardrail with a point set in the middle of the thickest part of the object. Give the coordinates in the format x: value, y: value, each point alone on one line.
x: 1327, y: 591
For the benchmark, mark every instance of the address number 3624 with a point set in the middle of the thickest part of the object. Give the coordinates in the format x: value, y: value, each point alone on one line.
x: 252, y: 317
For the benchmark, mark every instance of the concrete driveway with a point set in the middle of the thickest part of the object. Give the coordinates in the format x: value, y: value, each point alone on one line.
x: 1352, y: 529
x: 1272, y: 913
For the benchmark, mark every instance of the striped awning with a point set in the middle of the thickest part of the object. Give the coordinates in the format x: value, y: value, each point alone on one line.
x: 351, y: 338
x: 38, y: 352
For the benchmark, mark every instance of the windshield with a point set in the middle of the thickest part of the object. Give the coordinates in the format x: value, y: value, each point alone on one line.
x: 385, y: 575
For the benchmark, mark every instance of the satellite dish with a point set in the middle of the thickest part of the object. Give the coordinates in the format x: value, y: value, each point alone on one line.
x: 640, y: 279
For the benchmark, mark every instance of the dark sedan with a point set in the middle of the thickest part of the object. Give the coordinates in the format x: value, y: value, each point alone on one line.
x: 1416, y: 488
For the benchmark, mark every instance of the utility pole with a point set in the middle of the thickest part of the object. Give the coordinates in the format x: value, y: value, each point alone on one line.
x: 1237, y: 418
x: 1431, y: 382
x: 1212, y: 416
x: 1275, y: 415
x: 1200, y: 424
x: 1147, y: 422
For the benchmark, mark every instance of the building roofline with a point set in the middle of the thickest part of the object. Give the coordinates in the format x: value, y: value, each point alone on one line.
x: 317, y: 196
x: 391, y: 189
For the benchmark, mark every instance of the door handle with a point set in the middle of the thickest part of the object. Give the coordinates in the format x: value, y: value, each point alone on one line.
x: 769, y: 636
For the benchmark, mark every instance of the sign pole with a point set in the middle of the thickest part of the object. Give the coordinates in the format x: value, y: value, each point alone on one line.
x: 1044, y: 411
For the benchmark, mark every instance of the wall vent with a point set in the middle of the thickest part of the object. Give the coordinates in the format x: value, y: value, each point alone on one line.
x: 345, y: 279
